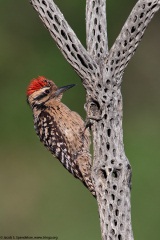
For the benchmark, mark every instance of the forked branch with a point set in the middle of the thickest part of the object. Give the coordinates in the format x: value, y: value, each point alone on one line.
x: 101, y: 73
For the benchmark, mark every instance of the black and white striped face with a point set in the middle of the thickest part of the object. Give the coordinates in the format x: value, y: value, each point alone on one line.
x: 40, y: 97
x: 42, y: 90
x: 39, y: 91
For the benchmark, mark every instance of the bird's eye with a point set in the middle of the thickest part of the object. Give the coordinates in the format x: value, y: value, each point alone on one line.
x: 47, y: 91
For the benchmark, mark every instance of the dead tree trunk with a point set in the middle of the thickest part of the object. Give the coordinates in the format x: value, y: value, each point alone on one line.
x: 101, y: 72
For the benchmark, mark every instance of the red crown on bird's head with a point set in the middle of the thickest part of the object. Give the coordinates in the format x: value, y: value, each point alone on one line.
x: 36, y: 84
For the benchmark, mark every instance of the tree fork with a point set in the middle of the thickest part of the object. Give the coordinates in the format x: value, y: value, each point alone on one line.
x: 101, y: 72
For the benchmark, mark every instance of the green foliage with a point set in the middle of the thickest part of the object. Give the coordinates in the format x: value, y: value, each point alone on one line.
x: 38, y: 196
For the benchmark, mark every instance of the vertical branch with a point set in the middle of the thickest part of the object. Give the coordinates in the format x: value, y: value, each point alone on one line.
x: 96, y: 28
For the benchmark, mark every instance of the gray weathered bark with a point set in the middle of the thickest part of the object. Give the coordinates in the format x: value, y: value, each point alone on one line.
x: 101, y: 72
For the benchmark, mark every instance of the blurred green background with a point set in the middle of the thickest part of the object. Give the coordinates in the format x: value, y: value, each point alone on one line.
x: 38, y: 196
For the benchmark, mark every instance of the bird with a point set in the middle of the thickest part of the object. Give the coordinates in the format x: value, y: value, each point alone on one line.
x: 61, y: 130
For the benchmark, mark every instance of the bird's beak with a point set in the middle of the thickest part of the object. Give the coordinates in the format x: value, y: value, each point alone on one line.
x: 63, y: 89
